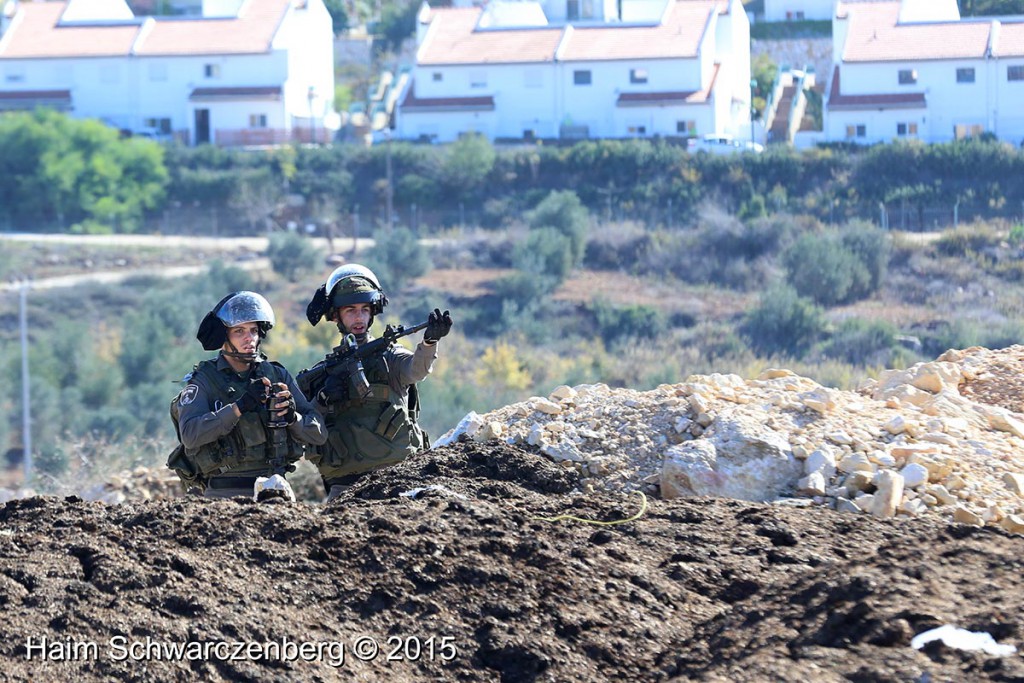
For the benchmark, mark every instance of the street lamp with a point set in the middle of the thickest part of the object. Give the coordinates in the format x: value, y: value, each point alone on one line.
x: 26, y: 394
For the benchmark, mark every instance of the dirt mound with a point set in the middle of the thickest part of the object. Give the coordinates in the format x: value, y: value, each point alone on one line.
x: 479, y: 562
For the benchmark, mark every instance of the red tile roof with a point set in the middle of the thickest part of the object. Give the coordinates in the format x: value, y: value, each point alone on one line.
x: 838, y: 101
x: 251, y: 32
x: 1010, y: 41
x: 452, y: 38
x: 485, y: 103
x: 36, y: 33
x: 679, y: 36
x: 875, y: 36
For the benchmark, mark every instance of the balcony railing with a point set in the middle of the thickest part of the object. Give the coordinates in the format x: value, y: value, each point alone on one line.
x: 261, y: 137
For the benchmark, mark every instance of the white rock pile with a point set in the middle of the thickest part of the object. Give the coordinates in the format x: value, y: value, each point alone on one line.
x: 936, y: 438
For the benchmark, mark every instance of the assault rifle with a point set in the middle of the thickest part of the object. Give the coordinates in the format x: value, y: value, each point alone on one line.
x: 345, y: 362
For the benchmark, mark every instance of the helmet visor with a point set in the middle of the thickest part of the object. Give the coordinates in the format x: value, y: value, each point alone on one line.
x: 246, y: 307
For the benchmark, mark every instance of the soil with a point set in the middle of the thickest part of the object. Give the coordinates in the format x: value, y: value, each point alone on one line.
x: 481, y: 562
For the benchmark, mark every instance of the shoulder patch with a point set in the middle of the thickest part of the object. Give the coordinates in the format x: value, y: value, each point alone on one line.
x: 188, y: 394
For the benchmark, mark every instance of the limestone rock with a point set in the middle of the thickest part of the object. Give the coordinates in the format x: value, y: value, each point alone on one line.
x: 914, y: 475
x: 1014, y: 482
x: 741, y: 460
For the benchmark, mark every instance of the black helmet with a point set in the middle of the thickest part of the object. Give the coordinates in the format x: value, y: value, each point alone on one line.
x: 236, y: 308
x: 347, y: 285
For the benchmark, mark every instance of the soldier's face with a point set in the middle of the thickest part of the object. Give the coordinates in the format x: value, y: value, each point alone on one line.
x: 244, y: 337
x: 356, y: 318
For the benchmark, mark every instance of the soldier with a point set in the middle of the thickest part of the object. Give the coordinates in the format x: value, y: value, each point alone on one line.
x: 378, y: 427
x: 240, y: 417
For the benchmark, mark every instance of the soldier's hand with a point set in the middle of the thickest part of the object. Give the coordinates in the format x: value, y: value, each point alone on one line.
x: 335, y: 390
x: 438, y: 325
x: 284, y: 403
x: 255, y: 395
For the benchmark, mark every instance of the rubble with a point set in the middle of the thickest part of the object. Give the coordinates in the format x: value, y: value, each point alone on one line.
x: 939, y: 438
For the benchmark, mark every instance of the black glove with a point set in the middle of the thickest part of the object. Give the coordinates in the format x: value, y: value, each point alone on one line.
x: 255, y: 395
x: 438, y: 325
x: 335, y: 390
x: 283, y: 404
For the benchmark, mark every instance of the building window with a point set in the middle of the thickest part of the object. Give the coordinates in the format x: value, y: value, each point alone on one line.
x: 961, y: 130
x: 908, y: 76
x: 257, y: 120
x: 965, y: 75
x: 158, y: 71
x: 638, y: 75
x: 162, y: 125
x: 1015, y: 73
x: 637, y: 130
x: 438, y: 77
x: 581, y: 77
x: 686, y: 127
x: 211, y: 70
x: 904, y: 129
x: 572, y: 10
x: 856, y: 131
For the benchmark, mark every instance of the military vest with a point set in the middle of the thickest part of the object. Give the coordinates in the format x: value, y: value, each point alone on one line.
x: 250, y: 447
x: 365, y: 434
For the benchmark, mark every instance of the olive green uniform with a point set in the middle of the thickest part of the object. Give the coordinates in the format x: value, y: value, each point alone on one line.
x: 229, y: 451
x: 366, y: 434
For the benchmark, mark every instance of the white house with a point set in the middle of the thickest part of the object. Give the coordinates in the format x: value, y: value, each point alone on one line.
x: 244, y: 72
x: 915, y: 69
x: 798, y: 10
x: 579, y: 69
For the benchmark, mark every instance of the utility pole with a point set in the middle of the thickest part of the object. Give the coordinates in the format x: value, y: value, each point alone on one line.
x: 355, y: 229
x: 390, y: 218
x: 26, y: 394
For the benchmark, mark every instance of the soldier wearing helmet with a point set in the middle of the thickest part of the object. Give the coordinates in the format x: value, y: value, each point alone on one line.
x: 369, y: 432
x: 240, y: 416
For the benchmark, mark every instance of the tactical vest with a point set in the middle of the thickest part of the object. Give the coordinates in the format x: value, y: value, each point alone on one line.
x: 365, y: 434
x: 249, y: 447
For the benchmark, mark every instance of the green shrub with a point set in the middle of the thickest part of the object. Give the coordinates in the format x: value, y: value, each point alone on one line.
x: 397, y: 258
x: 821, y: 268
x: 1016, y: 237
x: 872, y: 247
x: 783, y: 323
x: 292, y: 256
x: 862, y: 342
x: 546, y: 251
x: 967, y: 240
x: 618, y: 323
x: 564, y: 212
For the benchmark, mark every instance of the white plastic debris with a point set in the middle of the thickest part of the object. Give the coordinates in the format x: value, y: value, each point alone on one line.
x: 415, y: 493
x: 962, y: 639
x: 272, y: 486
x: 469, y: 425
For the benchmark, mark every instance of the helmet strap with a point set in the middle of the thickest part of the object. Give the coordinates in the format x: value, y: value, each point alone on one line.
x: 250, y: 358
x: 360, y: 338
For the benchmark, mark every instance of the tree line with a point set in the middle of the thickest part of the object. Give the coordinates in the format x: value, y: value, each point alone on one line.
x: 63, y: 174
